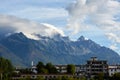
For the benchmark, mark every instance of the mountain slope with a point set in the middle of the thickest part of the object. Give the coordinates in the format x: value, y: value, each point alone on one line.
x: 58, y: 50
x: 6, y: 53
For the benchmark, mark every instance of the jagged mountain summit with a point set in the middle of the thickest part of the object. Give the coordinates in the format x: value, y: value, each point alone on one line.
x: 58, y: 50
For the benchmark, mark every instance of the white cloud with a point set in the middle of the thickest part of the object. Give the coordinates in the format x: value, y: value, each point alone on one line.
x: 37, y: 13
x: 103, y: 14
x: 27, y: 27
x: 100, y: 13
x: 113, y: 37
x: 52, y: 29
x: 114, y: 47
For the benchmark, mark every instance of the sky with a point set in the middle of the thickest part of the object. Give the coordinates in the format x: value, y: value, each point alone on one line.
x: 98, y: 20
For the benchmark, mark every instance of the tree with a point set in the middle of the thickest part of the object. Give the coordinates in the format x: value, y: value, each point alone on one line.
x: 100, y: 76
x: 26, y: 71
x: 70, y: 69
x: 6, y: 68
x: 50, y: 67
x: 41, y: 68
x: 116, y: 76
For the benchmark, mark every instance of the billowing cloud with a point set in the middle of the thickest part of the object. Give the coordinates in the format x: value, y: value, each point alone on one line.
x: 94, y: 12
x: 103, y: 14
x: 12, y: 24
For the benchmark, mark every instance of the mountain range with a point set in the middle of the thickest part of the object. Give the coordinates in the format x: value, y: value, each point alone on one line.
x: 58, y: 50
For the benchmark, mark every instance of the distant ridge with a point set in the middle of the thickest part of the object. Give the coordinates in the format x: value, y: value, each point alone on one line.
x: 58, y: 50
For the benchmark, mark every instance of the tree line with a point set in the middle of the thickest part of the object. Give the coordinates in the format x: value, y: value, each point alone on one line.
x: 7, y: 69
x: 46, y: 69
x: 50, y: 68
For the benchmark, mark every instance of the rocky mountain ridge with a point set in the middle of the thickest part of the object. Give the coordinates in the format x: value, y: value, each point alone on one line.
x: 58, y: 50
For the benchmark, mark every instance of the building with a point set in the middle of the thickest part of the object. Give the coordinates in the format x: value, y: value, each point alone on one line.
x: 33, y: 68
x: 112, y: 69
x: 92, y: 68
x: 95, y: 66
x: 61, y: 68
x: 80, y: 70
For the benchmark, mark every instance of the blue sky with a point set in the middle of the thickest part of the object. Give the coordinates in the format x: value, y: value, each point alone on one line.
x: 40, y: 10
x: 98, y: 20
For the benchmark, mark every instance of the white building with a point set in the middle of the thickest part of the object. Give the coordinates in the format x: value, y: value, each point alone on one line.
x: 33, y: 67
x: 61, y: 68
x: 112, y: 69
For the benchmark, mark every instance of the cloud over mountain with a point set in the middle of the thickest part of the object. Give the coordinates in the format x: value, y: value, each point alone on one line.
x: 12, y: 24
x: 103, y: 14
